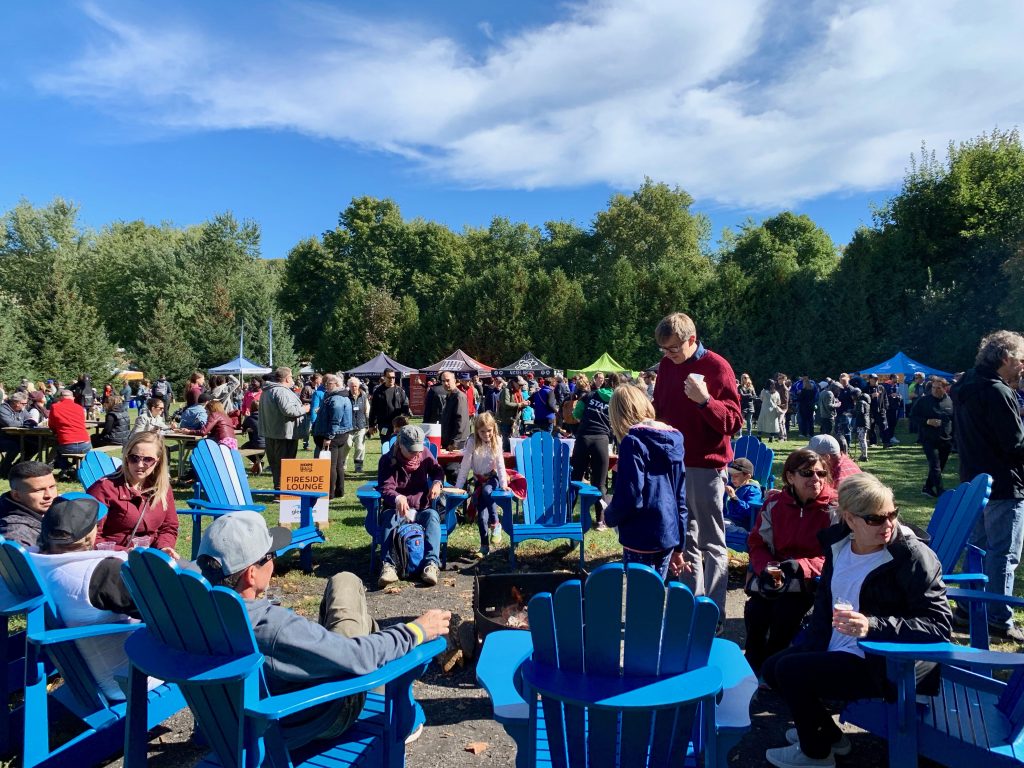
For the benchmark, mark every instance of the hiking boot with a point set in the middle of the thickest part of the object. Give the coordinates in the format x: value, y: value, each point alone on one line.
x: 793, y: 757
x: 1012, y: 632
x: 841, y: 747
x: 430, y: 575
x: 388, y: 575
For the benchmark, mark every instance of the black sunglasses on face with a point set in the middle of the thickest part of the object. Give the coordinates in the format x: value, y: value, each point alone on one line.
x: 876, y: 520
x: 812, y: 472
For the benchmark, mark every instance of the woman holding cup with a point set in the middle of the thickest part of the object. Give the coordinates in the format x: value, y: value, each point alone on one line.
x: 880, y: 582
x: 786, y: 556
x: 139, y: 500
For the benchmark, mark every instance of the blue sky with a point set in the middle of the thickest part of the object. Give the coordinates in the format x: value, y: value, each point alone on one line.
x: 460, y: 111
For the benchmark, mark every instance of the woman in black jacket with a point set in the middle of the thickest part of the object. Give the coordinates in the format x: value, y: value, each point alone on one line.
x: 880, y: 582
x: 117, y: 425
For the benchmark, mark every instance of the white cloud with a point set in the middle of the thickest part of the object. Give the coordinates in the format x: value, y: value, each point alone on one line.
x: 728, y: 99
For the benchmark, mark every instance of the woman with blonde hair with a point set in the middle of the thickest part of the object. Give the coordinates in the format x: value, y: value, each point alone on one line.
x: 649, y: 502
x: 483, y: 457
x: 140, y: 503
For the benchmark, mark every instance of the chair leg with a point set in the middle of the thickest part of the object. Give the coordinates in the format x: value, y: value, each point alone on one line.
x: 306, y: 559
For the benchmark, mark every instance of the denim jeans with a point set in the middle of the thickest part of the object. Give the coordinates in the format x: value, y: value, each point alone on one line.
x: 659, y: 561
x: 60, y: 462
x: 431, y: 523
x: 488, y: 513
x: 844, y: 427
x: 748, y: 423
x: 1000, y: 532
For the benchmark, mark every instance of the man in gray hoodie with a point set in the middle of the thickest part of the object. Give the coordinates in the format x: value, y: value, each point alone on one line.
x: 280, y: 411
x: 237, y: 551
x: 33, y: 490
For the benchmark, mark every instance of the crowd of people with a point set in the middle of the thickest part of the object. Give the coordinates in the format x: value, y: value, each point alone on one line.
x: 831, y: 562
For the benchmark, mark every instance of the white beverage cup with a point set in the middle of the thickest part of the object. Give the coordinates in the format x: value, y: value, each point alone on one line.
x: 697, y: 377
x: 841, y: 604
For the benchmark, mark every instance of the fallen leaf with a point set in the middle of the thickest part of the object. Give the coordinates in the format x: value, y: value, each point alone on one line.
x: 393, y: 590
x: 477, y: 747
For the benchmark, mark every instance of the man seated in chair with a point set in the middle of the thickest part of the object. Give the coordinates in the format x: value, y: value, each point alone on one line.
x: 237, y: 551
x: 33, y: 490
x: 409, y: 480
x: 86, y: 586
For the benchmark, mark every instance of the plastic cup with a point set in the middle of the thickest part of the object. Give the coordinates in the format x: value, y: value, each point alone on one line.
x: 841, y: 604
x: 106, y: 546
x: 141, y: 542
x: 774, y: 570
x: 697, y: 377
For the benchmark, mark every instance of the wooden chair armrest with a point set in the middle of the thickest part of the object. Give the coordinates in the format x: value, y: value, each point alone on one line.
x: 623, y: 693
x: 283, y: 705
x: 199, y: 504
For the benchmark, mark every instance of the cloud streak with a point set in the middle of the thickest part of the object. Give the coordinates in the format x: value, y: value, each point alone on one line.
x: 728, y: 100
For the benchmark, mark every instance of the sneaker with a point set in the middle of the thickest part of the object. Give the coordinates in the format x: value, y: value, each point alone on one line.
x: 929, y: 492
x: 862, y: 458
x: 359, y: 468
x: 600, y: 526
x: 495, y: 534
x: 841, y: 747
x: 792, y: 757
x: 1013, y: 632
x: 388, y: 575
x: 430, y: 575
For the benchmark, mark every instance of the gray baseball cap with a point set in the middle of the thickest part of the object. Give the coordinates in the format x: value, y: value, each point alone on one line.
x: 411, y: 438
x: 237, y: 540
x: 824, y: 445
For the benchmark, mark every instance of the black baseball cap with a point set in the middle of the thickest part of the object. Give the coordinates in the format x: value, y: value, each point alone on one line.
x: 70, y: 518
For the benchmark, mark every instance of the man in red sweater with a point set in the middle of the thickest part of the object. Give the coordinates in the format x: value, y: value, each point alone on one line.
x: 696, y: 393
x: 67, y: 421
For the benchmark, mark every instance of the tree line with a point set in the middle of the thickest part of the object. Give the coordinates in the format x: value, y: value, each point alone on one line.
x: 941, y: 264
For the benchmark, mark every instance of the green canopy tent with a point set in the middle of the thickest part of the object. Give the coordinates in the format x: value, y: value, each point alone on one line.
x: 605, y: 364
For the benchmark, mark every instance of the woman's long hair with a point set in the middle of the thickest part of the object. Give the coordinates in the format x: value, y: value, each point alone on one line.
x: 159, y: 482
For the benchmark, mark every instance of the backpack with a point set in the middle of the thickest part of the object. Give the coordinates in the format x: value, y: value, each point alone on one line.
x: 159, y: 388
x: 407, y: 549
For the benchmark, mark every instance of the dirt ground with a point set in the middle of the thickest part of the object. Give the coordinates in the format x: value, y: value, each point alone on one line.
x: 458, y: 711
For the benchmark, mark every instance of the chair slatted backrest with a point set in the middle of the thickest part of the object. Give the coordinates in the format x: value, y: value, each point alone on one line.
x: 544, y: 462
x: 954, y: 517
x: 95, y: 466
x: 183, y: 612
x: 23, y: 580
x: 583, y: 629
x: 759, y: 454
x: 222, y: 477
x: 1011, y: 704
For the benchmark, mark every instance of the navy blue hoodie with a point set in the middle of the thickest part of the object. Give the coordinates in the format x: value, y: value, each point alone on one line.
x: 649, y: 502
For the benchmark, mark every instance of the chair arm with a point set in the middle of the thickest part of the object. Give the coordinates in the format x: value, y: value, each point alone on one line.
x: 503, y: 653
x: 199, y: 504
x: 968, y: 579
x: 283, y: 705
x: 70, y: 634
x: 20, y: 606
x: 623, y: 693
x: 977, y: 596
x: 943, y: 653
x: 157, y: 660
x: 298, y: 494
x: 367, y: 491
x: 586, y: 489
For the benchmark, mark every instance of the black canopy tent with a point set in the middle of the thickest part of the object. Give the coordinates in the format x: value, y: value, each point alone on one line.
x: 373, y: 369
x: 528, y: 363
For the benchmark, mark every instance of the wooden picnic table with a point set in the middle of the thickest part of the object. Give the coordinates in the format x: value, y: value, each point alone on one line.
x: 45, y: 435
x: 444, y: 458
x: 186, y: 443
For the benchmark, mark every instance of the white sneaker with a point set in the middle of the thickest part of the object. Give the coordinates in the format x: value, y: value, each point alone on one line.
x: 430, y: 575
x: 388, y: 575
x: 495, y: 534
x: 792, y: 757
x: 841, y: 747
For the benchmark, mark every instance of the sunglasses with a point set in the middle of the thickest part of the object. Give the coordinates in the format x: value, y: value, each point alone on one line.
x: 265, y: 559
x: 876, y: 520
x: 146, y: 461
x: 812, y: 472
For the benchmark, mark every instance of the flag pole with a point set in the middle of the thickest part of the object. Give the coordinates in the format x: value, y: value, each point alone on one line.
x: 270, y: 333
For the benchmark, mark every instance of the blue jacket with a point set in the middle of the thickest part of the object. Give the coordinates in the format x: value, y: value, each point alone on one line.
x: 335, y: 415
x: 315, y: 402
x: 745, y: 506
x: 545, y: 404
x: 649, y: 503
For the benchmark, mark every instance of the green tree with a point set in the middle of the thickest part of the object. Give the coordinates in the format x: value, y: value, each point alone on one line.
x: 163, y: 348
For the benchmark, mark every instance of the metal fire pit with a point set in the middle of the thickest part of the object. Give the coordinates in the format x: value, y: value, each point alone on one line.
x: 493, y: 595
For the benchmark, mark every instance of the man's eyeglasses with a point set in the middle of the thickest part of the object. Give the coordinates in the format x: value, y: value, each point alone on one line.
x: 876, y: 520
x: 673, y: 350
x: 812, y: 472
x: 146, y: 461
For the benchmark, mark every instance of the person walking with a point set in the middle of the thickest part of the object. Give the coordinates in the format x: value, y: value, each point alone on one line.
x: 932, y: 415
x: 280, y: 410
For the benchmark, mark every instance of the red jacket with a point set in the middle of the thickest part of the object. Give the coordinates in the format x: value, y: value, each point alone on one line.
x: 218, y: 427
x: 395, y: 480
x: 708, y: 430
x: 67, y: 421
x: 785, y: 531
x: 123, y: 509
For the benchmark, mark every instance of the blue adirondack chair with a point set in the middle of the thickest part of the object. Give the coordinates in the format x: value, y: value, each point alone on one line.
x: 760, y: 455
x: 12, y: 675
x: 200, y: 638
x: 48, y: 640
x: 377, y: 518
x: 593, y: 684
x: 546, y: 512
x: 974, y: 720
x: 95, y: 466
x: 223, y: 486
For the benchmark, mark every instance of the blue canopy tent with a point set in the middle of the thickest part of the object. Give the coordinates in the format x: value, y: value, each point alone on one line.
x: 901, y: 363
x: 241, y: 366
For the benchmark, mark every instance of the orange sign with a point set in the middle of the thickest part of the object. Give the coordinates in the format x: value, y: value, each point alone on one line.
x: 304, y: 475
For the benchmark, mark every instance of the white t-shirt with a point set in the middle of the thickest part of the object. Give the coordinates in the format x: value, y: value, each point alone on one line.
x: 848, y: 573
